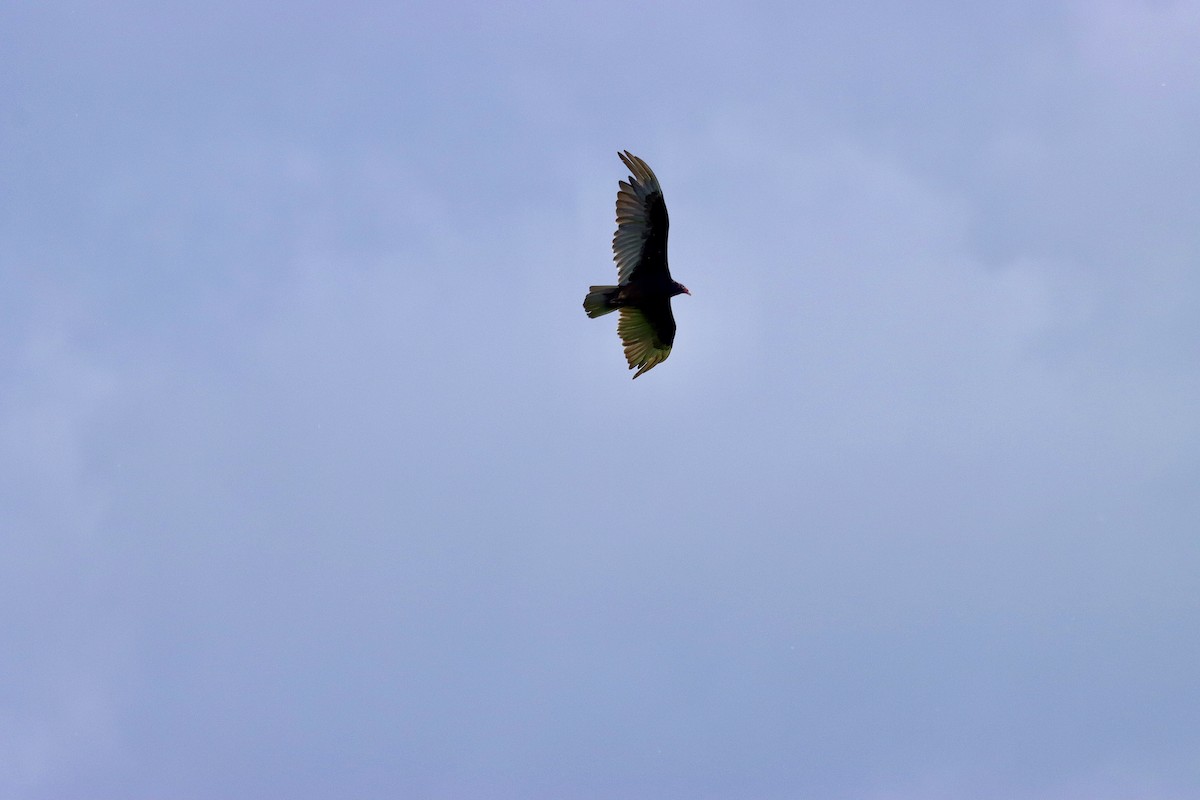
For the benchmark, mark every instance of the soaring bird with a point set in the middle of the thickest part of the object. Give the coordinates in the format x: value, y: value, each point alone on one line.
x: 644, y: 286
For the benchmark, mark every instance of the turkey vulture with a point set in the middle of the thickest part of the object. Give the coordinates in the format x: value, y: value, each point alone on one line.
x: 644, y: 287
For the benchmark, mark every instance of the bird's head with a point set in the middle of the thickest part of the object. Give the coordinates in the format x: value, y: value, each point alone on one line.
x: 679, y: 288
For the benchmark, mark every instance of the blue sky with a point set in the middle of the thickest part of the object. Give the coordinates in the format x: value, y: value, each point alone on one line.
x: 315, y: 480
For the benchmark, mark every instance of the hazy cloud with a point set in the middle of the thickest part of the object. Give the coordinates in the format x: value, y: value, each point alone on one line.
x: 317, y: 481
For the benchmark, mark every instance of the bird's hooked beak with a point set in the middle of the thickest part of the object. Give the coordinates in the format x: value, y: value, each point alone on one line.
x: 685, y: 290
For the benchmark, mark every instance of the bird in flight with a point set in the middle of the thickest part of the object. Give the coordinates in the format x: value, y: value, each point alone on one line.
x: 644, y: 286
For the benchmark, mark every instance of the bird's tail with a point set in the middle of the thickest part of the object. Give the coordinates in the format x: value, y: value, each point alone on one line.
x: 600, y: 300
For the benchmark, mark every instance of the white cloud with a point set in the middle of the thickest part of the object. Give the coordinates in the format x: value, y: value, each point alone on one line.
x: 1141, y: 45
x: 58, y: 717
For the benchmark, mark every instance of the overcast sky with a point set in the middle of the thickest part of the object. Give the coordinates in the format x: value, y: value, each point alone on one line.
x: 316, y: 482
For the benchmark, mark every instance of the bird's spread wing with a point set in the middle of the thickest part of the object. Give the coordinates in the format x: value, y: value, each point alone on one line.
x: 640, y: 242
x: 647, y: 334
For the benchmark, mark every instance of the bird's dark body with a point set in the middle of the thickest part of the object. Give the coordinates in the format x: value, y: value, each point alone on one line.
x: 642, y: 292
x: 645, y: 288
